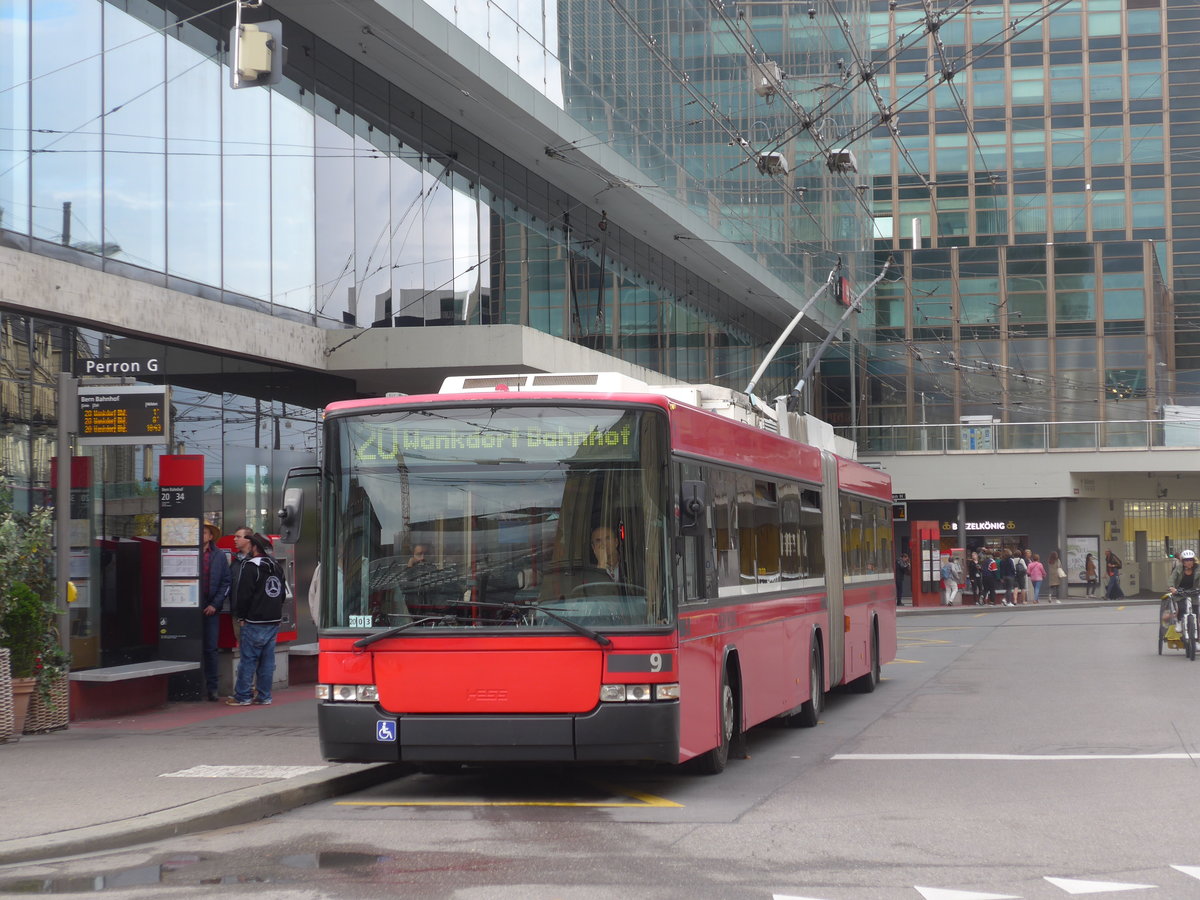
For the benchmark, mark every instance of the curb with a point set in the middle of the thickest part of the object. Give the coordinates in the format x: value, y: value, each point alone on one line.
x: 1067, y: 604
x: 235, y: 808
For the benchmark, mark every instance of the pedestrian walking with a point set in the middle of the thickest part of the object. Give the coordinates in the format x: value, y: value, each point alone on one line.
x: 1090, y: 575
x: 989, y: 577
x: 1007, y: 572
x: 1056, y: 577
x: 903, y: 568
x: 1112, y: 569
x: 950, y: 579
x: 1036, y: 574
x: 1020, y: 577
x: 974, y: 576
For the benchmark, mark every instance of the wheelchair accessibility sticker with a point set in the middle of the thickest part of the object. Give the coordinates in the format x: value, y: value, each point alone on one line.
x: 385, y: 731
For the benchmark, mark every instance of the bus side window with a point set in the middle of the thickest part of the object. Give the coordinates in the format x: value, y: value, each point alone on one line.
x: 721, y: 486
x: 692, y: 563
x: 747, y: 559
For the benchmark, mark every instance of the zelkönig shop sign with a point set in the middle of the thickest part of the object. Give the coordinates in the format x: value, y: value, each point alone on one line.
x: 121, y: 414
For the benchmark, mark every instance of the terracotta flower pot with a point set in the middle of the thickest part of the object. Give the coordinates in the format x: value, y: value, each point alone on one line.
x: 22, y: 693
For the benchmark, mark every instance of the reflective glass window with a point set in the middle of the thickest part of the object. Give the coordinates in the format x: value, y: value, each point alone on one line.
x: 293, y: 199
x: 14, y: 110
x: 335, y: 222
x: 246, y: 191
x: 66, y: 119
x: 134, y: 134
x: 193, y: 157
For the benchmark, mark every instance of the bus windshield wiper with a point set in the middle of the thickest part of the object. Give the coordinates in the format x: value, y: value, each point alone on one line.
x: 529, y: 607
x: 574, y: 626
x: 372, y: 638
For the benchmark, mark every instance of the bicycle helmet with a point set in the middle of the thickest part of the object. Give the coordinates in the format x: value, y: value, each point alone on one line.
x: 1187, y: 554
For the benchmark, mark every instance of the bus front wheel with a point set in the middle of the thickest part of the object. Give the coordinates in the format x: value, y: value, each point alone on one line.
x: 714, y: 761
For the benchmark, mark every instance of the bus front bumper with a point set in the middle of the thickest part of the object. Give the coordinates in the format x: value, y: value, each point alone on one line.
x: 613, y: 732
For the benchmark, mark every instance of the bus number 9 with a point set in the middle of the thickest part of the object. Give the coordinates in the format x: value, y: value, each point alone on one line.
x: 655, y: 662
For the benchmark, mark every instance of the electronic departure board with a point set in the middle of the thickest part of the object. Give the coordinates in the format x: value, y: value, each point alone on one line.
x: 123, y: 415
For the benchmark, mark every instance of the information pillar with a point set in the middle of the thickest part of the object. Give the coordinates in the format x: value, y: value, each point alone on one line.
x: 925, y: 551
x: 180, y: 517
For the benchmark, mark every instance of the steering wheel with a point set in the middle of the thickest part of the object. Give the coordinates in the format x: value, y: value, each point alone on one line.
x: 599, y: 590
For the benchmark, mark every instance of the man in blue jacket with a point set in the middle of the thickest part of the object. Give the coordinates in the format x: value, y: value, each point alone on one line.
x: 214, y: 588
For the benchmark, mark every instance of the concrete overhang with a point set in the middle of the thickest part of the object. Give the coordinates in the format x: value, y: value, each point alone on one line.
x: 42, y: 286
x: 411, y: 45
x: 210, y: 341
x: 417, y: 360
x: 1165, y: 473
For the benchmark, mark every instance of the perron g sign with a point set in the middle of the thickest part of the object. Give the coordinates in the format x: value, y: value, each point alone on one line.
x: 124, y: 415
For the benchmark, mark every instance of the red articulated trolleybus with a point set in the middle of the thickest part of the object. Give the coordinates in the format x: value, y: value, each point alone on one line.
x: 583, y: 568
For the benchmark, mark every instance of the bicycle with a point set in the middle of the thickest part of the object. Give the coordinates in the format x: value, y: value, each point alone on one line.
x: 1176, y: 631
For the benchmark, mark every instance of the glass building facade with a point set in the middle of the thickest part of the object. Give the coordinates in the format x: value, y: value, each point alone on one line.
x: 1047, y: 188
x: 338, y: 198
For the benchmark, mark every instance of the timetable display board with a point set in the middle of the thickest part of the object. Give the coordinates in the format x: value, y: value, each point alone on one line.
x: 135, y: 414
x: 180, y: 515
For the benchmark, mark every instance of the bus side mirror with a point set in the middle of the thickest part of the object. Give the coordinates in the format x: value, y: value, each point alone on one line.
x: 693, y: 501
x: 291, y: 515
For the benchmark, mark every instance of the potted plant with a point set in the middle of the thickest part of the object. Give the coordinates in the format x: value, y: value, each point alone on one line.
x: 23, y: 626
x: 27, y: 611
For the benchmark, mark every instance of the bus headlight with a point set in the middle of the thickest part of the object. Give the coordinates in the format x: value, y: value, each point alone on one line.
x: 348, y: 693
x: 637, y: 693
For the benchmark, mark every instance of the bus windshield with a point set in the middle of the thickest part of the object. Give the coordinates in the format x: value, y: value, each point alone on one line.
x: 495, y: 518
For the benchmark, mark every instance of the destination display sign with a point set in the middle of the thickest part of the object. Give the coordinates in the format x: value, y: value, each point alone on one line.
x: 123, y: 415
x: 492, y: 437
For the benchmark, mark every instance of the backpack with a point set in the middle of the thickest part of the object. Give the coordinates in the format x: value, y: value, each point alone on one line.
x: 273, y: 585
x: 1019, y: 563
x: 271, y: 588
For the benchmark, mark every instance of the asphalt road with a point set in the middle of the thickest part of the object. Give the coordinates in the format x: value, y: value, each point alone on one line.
x: 1033, y: 753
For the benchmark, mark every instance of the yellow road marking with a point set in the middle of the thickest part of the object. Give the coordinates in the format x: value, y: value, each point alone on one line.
x: 907, y: 661
x: 644, y: 801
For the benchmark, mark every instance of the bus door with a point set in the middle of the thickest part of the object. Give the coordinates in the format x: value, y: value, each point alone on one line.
x: 834, y: 630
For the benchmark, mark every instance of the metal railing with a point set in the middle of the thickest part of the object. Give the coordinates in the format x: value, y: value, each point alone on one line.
x: 1031, y: 437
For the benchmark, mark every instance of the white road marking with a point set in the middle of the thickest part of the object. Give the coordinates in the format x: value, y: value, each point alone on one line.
x: 1073, y: 886
x: 1018, y: 757
x: 943, y: 894
x: 1194, y: 871
x: 243, y: 772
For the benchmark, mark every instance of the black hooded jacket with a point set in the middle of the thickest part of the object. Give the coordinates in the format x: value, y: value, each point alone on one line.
x: 261, y: 591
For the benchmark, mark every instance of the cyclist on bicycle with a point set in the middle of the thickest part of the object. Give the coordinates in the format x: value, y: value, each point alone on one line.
x: 1186, y: 577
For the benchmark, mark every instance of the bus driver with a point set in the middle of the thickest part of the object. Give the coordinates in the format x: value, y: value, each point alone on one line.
x: 606, y: 548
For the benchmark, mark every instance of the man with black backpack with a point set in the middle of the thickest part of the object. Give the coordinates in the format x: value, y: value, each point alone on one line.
x: 261, y: 590
x: 1020, y: 570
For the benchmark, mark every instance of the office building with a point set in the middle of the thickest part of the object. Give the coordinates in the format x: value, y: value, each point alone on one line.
x: 1036, y: 188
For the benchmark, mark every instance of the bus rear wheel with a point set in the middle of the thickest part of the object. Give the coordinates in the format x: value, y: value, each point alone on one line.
x: 810, y: 712
x: 865, y: 684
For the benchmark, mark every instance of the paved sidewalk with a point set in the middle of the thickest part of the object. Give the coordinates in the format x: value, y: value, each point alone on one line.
x: 112, y: 782
x: 1143, y: 599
